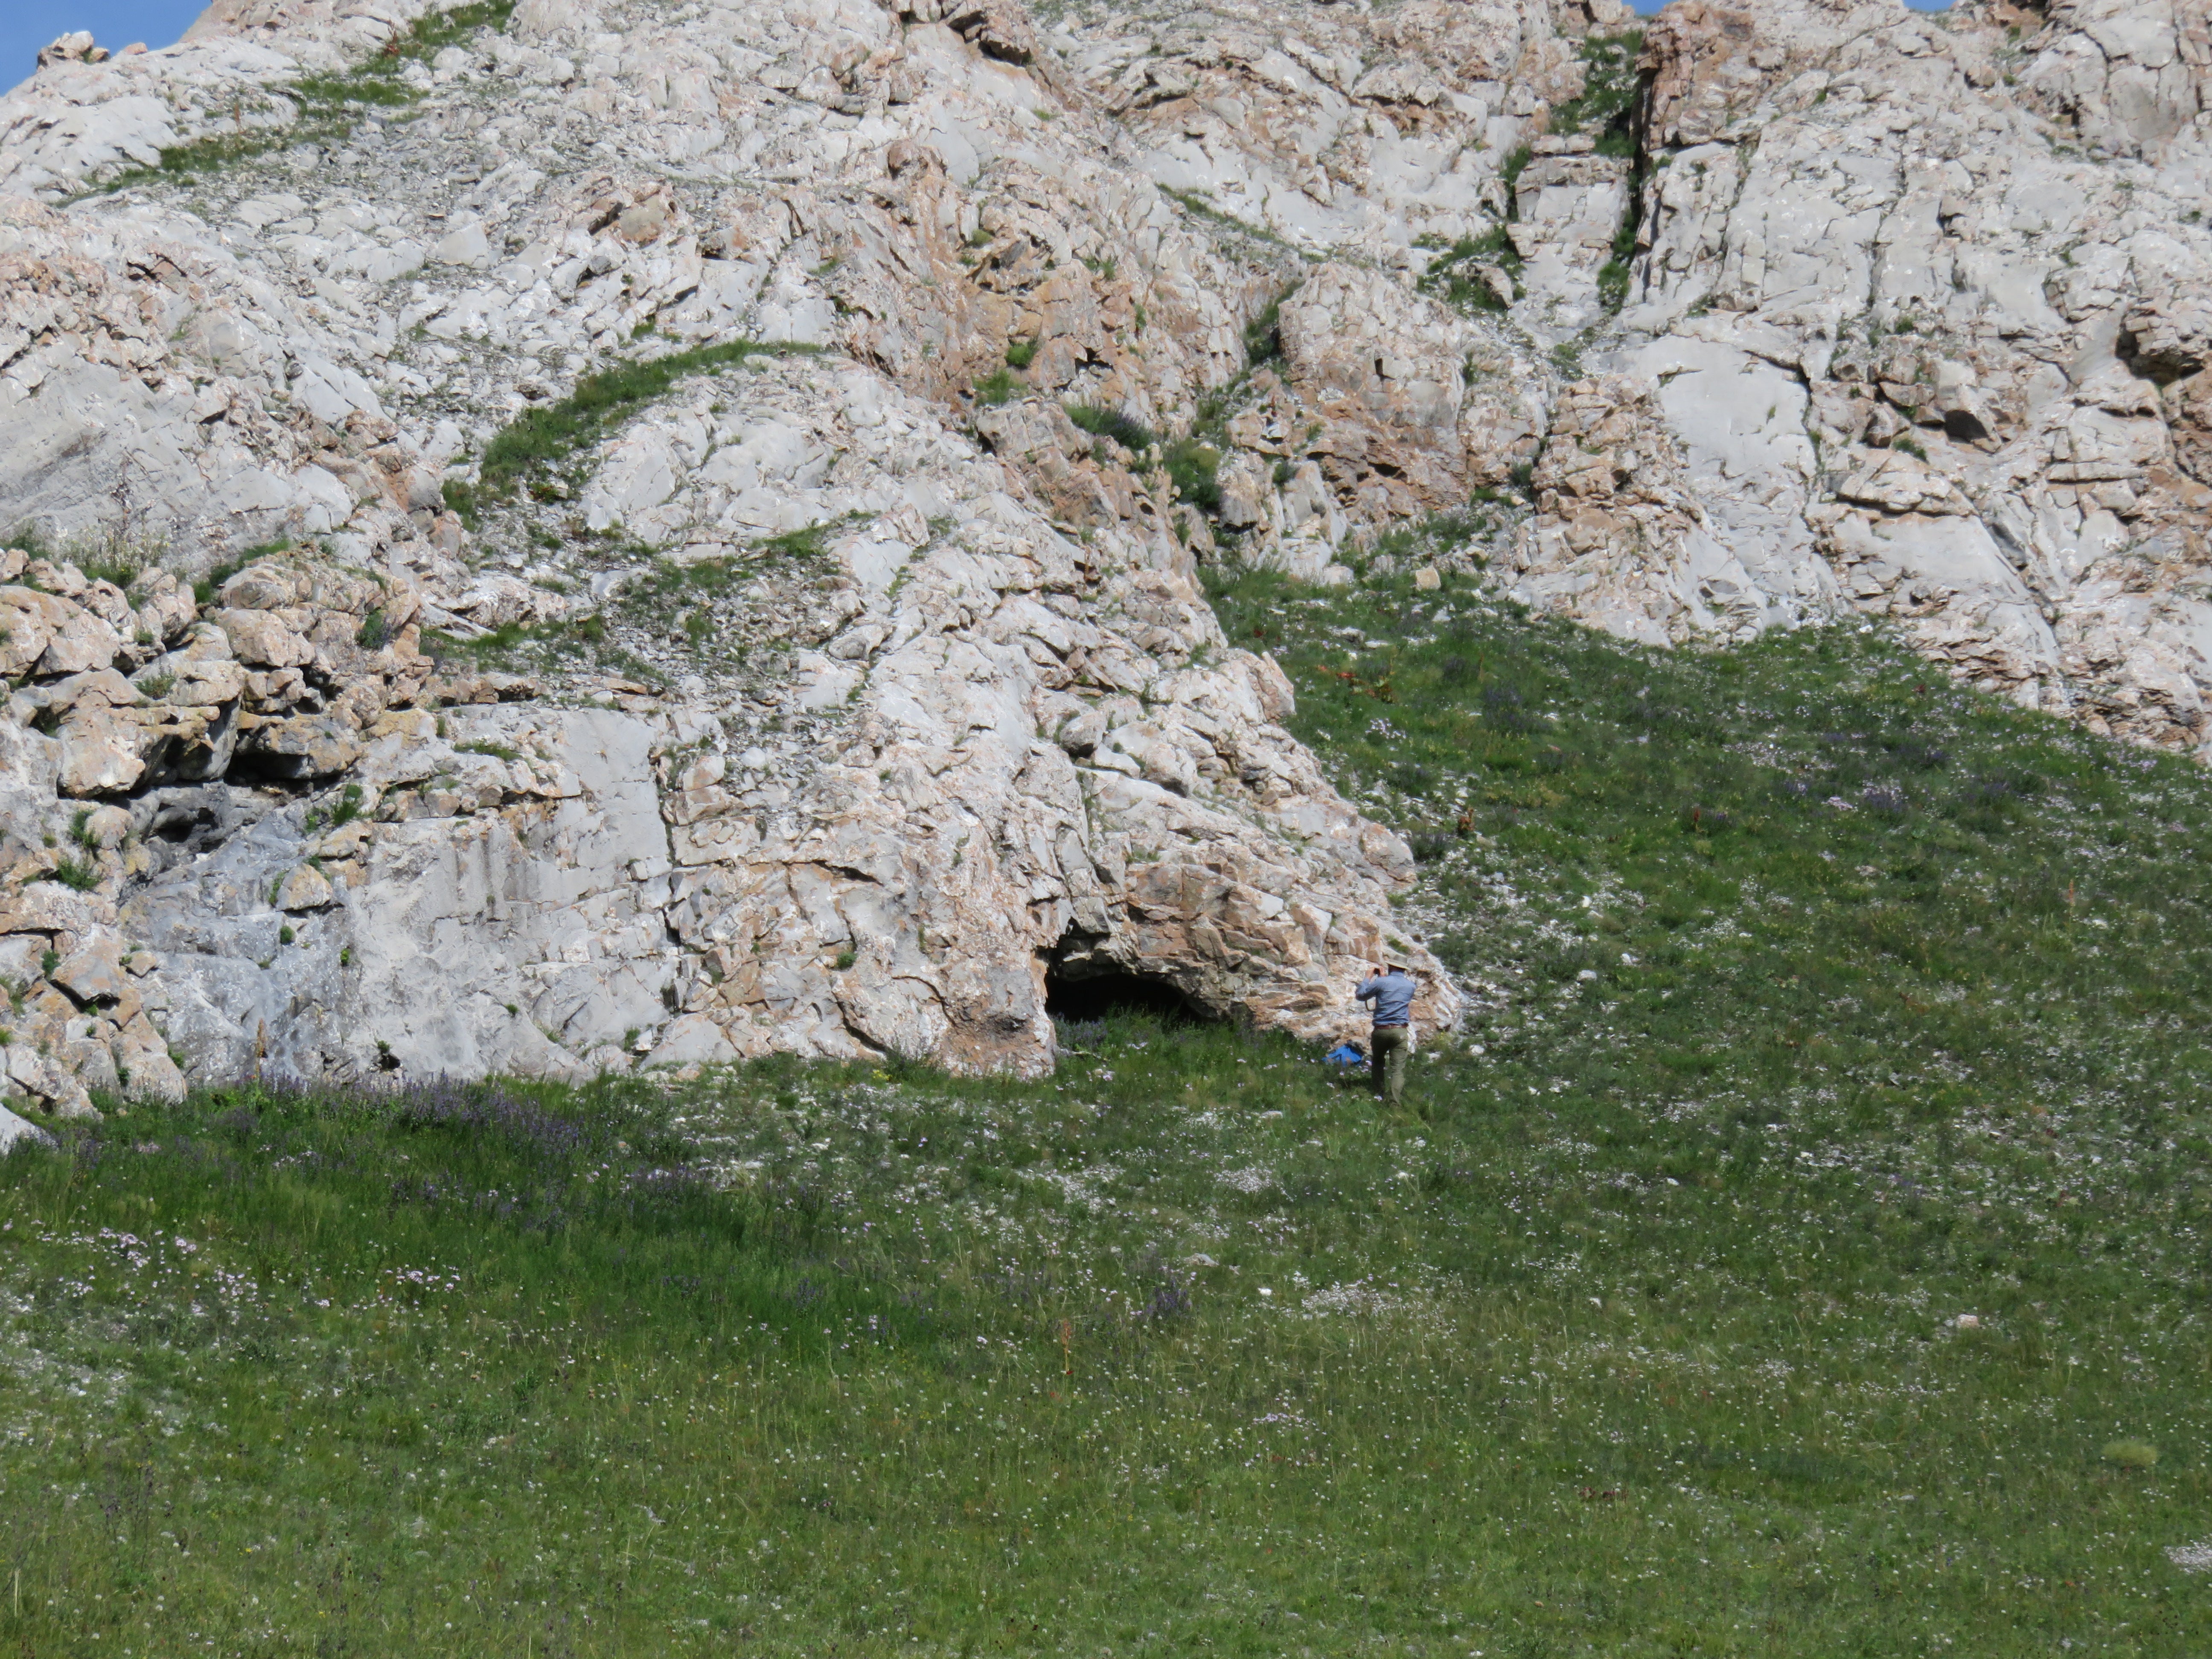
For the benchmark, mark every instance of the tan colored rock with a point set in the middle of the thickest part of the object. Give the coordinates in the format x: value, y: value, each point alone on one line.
x: 95, y: 974
x: 301, y: 746
x: 304, y: 888
x: 49, y: 1080
x: 48, y: 907
x: 260, y: 639
x: 143, y: 1055
x: 1897, y: 482
x: 48, y: 635
x: 100, y: 752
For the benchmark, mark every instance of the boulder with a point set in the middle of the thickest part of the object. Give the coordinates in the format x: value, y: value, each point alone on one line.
x: 15, y: 1132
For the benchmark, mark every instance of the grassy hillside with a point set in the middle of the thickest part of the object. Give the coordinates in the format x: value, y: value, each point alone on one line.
x: 1802, y: 1253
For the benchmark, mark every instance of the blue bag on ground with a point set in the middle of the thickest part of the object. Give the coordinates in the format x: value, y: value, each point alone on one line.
x: 1347, y: 1053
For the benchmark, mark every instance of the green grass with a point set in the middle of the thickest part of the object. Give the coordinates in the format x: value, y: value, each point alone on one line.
x: 82, y: 875
x: 206, y: 587
x: 1193, y: 468
x: 1437, y: 536
x: 703, y: 598
x: 1611, y: 88
x: 1454, y: 276
x: 1200, y: 207
x: 1263, y: 335
x: 539, y: 442
x: 1509, y: 175
x: 1193, y: 463
x: 327, y: 107
x: 1646, y: 1340
x: 1124, y: 429
x: 999, y: 386
x: 1608, y: 104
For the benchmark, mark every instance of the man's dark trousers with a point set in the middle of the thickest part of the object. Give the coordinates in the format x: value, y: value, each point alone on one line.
x: 1392, y: 1044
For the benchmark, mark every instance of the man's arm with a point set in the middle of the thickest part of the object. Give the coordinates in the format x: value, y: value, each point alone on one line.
x: 1368, y: 987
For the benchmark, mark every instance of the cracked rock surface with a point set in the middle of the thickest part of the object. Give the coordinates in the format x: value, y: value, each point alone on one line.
x: 611, y: 532
x: 843, y: 726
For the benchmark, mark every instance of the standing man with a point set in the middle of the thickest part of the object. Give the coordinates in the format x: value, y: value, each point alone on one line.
x: 1391, y: 988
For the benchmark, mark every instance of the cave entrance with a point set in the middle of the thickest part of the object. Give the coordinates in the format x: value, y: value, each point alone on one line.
x: 1090, y: 995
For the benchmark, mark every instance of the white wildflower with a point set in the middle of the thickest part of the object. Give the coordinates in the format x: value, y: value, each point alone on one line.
x: 2190, y: 1557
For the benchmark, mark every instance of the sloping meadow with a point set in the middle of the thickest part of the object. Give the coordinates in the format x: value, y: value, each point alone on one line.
x: 1798, y: 1251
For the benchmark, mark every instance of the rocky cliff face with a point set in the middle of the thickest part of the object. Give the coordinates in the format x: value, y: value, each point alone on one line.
x: 696, y: 509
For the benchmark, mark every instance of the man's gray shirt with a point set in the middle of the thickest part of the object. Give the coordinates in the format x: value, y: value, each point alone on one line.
x: 1393, y: 998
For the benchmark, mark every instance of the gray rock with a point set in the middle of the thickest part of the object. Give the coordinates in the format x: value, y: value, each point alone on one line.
x: 15, y: 1132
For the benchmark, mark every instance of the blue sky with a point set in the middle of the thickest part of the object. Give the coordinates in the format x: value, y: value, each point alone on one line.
x: 27, y: 25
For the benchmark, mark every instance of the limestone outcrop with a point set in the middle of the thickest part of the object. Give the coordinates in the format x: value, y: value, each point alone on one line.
x: 597, y: 533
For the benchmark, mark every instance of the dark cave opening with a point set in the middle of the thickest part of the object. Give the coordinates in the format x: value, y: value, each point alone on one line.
x: 1090, y: 995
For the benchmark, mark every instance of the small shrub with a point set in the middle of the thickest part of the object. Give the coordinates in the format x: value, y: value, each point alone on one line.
x: 1430, y: 845
x: 120, y: 571
x: 1454, y: 275
x: 1132, y: 433
x: 1610, y: 87
x: 1886, y: 800
x: 1020, y: 354
x: 1613, y: 283
x: 83, y: 875
x: 1507, y: 175
x: 999, y: 386
x: 1193, y: 468
x: 811, y: 542
x: 1503, y: 710
x: 206, y: 588
x: 1918, y: 755
x: 1263, y: 335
